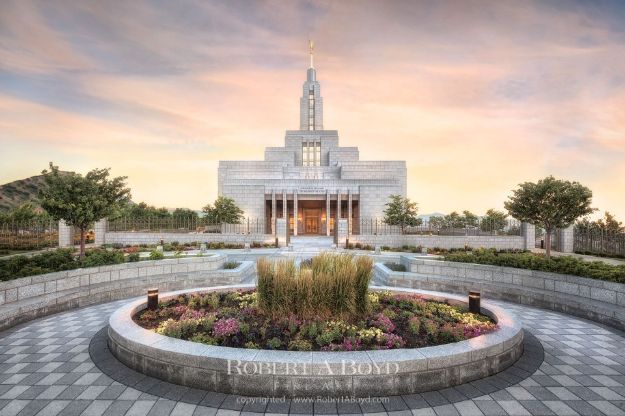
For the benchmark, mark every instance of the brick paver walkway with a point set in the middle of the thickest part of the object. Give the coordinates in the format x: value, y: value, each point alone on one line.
x: 46, y: 369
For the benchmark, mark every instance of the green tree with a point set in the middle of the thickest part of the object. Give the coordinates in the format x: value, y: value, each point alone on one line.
x: 610, y: 224
x: 454, y: 220
x: 24, y: 213
x: 550, y: 203
x: 184, y: 213
x: 436, y: 221
x: 494, y: 220
x: 81, y: 200
x: 470, y: 219
x: 401, y: 211
x: 224, y: 210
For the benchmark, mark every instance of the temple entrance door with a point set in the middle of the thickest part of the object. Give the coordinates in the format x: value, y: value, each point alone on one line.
x: 311, y: 221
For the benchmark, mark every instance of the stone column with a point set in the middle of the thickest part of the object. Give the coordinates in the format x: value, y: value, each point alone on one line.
x: 342, y: 233
x: 100, y: 229
x: 66, y: 235
x: 349, y: 212
x: 528, y: 232
x: 281, y: 230
x: 565, y: 240
x: 273, y: 212
x: 295, y: 213
x: 328, y: 213
x: 338, y: 205
x: 285, y: 215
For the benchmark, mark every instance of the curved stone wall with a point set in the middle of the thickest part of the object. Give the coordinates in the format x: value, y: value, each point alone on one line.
x: 31, y: 297
x: 299, y: 373
x: 593, y: 299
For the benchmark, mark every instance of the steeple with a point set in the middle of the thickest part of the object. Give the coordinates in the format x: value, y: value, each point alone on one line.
x: 311, y: 103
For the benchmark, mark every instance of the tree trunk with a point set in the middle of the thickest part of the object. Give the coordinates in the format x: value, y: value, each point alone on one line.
x: 82, y: 242
x: 548, y: 242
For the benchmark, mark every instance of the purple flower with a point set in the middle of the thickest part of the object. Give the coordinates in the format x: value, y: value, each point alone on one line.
x: 226, y: 327
x: 393, y: 341
x: 383, y: 322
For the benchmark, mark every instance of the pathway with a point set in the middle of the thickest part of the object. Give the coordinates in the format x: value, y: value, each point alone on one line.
x: 46, y: 369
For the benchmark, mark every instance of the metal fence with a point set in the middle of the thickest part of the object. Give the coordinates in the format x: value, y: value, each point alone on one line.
x: 185, y: 225
x: 599, y: 242
x: 483, y: 227
x: 29, y: 235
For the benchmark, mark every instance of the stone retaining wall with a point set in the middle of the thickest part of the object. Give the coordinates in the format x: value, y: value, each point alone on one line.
x: 298, y: 373
x: 593, y: 299
x: 154, y: 238
x: 503, y: 242
x: 31, y: 297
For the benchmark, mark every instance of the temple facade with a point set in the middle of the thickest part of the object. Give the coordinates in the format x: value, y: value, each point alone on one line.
x: 311, y: 180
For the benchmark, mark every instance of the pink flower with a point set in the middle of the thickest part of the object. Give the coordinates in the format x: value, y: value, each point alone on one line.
x: 384, y: 323
x: 226, y: 327
x: 393, y: 341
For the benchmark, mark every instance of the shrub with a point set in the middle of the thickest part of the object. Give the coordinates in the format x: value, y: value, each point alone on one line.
x: 182, y: 329
x: 204, y: 339
x: 231, y: 265
x: 334, y: 284
x: 300, y: 345
x: 565, y: 264
x: 156, y: 255
x: 274, y: 343
x: 54, y: 261
x: 226, y: 327
x: 133, y: 257
x: 101, y: 257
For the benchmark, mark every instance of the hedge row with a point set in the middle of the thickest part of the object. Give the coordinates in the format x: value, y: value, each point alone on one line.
x: 563, y: 265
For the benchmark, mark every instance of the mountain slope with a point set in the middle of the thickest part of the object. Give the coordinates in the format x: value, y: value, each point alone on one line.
x: 16, y: 193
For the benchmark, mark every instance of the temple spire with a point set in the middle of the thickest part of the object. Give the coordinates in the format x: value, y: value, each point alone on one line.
x: 311, y: 49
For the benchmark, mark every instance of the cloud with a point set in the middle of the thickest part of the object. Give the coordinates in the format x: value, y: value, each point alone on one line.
x: 475, y: 98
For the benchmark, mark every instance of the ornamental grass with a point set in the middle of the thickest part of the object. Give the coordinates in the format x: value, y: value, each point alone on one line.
x: 330, y: 285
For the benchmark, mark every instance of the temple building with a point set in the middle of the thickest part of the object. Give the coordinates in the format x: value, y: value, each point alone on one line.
x: 311, y: 181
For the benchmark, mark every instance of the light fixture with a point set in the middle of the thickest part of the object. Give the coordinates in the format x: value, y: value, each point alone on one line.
x: 474, y: 302
x: 152, y: 299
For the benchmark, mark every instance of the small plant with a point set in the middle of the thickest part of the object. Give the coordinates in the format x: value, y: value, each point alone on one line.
x: 231, y: 265
x: 274, y: 343
x: 226, y: 327
x: 156, y: 255
x: 134, y: 257
x: 300, y: 345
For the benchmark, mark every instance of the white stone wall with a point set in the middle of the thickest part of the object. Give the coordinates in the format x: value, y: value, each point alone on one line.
x: 446, y: 242
x: 131, y: 238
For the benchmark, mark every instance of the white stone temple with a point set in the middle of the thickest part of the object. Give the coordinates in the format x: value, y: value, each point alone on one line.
x: 311, y: 180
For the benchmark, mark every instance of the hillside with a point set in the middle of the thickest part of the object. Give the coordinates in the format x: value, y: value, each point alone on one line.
x: 16, y: 193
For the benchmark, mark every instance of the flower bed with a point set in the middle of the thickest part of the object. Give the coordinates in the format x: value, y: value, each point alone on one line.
x: 233, y: 319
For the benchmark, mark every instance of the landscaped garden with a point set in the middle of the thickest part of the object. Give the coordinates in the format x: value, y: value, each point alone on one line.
x: 322, y: 305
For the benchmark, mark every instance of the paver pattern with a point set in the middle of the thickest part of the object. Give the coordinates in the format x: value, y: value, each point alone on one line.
x: 46, y: 369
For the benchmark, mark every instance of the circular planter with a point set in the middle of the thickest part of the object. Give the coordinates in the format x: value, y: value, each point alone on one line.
x: 317, y: 373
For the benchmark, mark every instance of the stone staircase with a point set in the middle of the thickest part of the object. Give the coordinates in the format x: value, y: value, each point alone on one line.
x: 311, y: 243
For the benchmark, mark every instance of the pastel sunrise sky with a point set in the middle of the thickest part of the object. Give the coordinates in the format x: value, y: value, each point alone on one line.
x: 476, y: 96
